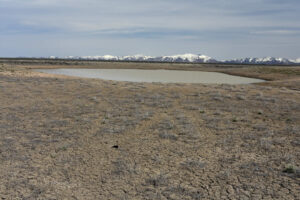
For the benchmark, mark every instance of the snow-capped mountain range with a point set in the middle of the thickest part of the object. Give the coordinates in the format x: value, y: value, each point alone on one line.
x: 267, y: 60
x: 192, y: 58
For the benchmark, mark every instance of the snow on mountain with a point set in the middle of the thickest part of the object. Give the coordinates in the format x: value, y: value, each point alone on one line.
x: 136, y: 58
x: 296, y: 61
x: 174, y: 58
x: 105, y: 57
x: 266, y: 60
x: 188, y: 58
x: 193, y: 58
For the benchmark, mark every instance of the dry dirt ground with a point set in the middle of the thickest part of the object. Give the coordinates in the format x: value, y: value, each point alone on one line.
x: 73, y: 138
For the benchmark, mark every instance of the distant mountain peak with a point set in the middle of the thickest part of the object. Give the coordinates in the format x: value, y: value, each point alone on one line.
x: 265, y: 60
x: 189, y: 58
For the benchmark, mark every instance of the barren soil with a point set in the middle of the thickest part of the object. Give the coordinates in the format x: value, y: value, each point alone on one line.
x: 73, y: 138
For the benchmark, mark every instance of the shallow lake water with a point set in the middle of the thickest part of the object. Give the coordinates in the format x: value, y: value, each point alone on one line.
x: 161, y: 76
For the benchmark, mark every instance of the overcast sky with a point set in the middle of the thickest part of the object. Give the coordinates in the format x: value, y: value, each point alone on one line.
x: 221, y: 29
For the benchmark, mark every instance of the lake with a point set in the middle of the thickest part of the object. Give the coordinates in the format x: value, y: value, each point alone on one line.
x: 149, y: 76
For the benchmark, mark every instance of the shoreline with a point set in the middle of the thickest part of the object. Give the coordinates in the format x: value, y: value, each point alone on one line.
x: 278, y: 76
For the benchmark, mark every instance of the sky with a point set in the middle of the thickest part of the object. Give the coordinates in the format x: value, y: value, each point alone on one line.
x: 222, y: 29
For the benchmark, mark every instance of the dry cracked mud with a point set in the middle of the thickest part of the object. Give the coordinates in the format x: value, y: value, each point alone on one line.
x: 73, y: 138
